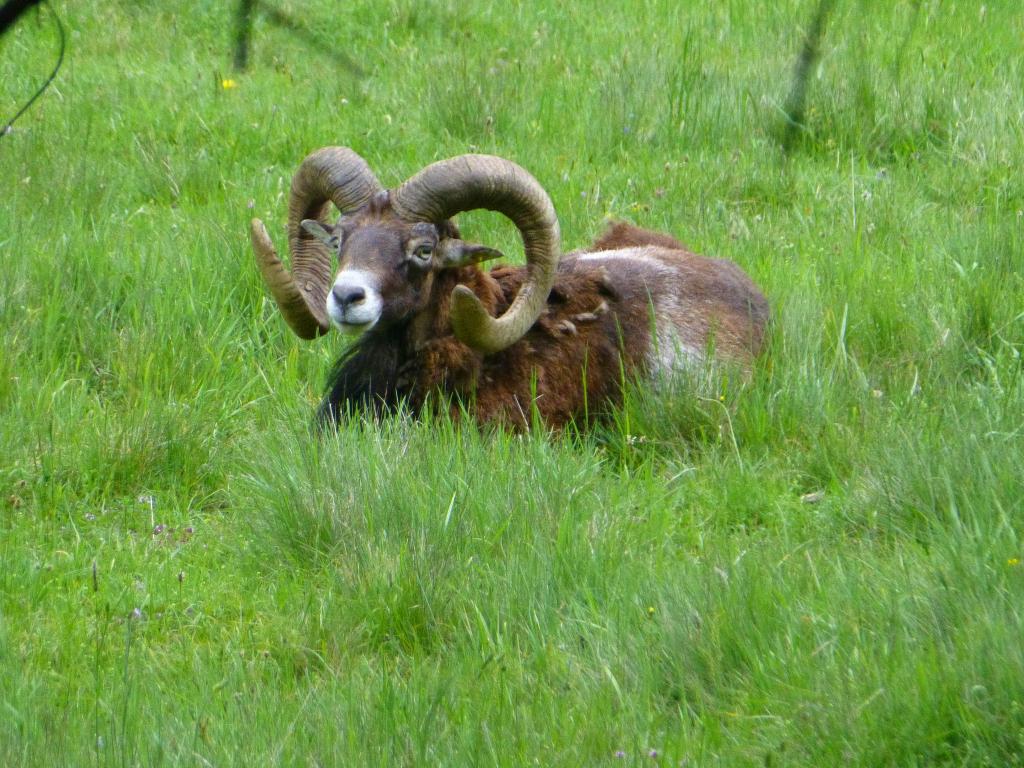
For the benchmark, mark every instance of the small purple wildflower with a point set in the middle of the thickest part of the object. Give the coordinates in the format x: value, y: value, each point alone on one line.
x: 653, y: 754
x: 620, y: 754
x: 136, y: 613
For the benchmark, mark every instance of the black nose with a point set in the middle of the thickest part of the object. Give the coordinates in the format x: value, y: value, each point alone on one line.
x: 348, y: 294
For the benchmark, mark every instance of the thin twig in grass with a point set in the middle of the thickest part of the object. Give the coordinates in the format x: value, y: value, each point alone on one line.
x: 796, y: 102
x: 243, y: 31
x: 905, y: 42
x: 732, y: 433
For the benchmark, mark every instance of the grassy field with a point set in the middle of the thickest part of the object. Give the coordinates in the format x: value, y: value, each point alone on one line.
x: 819, y: 567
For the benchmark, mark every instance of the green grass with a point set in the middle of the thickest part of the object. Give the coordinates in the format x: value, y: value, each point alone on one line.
x: 818, y: 566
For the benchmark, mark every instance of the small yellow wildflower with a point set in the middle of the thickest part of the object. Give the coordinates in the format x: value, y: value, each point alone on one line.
x: 1013, y: 561
x: 227, y: 84
x: 650, y: 610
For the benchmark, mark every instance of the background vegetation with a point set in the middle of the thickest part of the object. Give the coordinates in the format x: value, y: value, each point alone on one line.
x: 819, y: 567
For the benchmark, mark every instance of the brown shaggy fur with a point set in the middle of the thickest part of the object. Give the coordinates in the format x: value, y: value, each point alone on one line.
x: 634, y: 302
x: 623, y: 235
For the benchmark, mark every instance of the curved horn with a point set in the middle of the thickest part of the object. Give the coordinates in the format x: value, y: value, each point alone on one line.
x: 330, y: 175
x: 465, y: 183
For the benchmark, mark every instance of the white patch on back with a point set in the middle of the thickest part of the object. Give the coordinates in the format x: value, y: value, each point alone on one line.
x: 641, y: 254
x: 670, y: 352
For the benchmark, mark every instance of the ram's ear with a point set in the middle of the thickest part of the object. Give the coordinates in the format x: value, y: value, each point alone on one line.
x: 452, y: 252
x: 325, y: 235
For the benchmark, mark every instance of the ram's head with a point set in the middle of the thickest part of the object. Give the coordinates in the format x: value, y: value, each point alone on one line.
x: 389, y: 245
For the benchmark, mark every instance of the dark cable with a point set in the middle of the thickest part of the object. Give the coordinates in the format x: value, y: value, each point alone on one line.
x: 44, y: 86
x: 11, y: 10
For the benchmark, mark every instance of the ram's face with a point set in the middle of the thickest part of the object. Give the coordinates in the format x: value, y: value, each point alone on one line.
x: 384, y: 275
x: 386, y: 266
x: 385, y: 270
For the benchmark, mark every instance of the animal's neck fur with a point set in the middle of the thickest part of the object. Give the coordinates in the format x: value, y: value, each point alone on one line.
x: 381, y: 370
x: 435, y: 320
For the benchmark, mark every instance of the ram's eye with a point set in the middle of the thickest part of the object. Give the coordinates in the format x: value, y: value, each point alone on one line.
x: 424, y: 252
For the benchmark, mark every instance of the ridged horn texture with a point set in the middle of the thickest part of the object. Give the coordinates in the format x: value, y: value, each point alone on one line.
x: 330, y: 175
x: 468, y: 182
